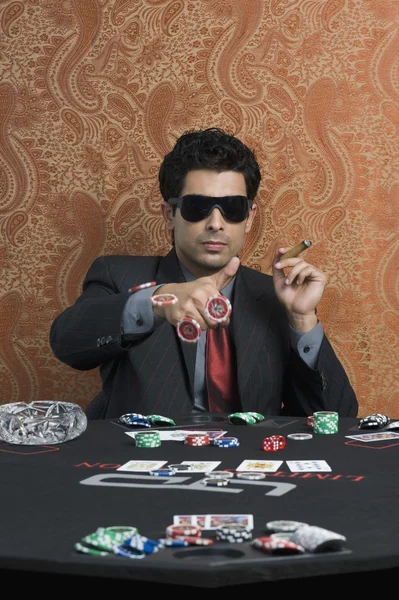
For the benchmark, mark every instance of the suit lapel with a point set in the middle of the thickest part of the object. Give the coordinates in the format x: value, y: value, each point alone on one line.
x: 250, y: 322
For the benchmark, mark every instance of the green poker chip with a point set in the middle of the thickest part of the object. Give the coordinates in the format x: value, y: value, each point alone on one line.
x: 242, y: 418
x: 160, y: 420
x: 88, y: 550
x: 256, y: 415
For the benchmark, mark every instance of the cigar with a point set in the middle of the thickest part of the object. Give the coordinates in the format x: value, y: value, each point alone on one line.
x: 297, y: 249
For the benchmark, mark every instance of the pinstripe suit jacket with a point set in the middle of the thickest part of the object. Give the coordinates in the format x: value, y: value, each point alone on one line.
x: 155, y: 373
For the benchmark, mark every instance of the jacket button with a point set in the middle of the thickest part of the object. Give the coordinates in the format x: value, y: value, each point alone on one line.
x: 306, y: 349
x: 109, y: 339
x: 323, y: 381
x: 102, y: 341
x: 139, y: 321
x: 98, y: 342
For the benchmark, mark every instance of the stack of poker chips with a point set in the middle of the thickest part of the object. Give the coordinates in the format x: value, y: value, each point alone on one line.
x: 325, y: 422
x: 245, y: 418
x: 185, y: 535
x: 197, y: 439
x: 118, y: 541
x: 234, y: 533
x: 375, y: 421
x: 147, y: 439
x: 217, y: 478
x: 226, y: 442
x: 138, y: 420
x: 273, y: 443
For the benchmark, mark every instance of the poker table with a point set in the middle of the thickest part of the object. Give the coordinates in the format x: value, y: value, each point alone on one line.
x: 52, y: 496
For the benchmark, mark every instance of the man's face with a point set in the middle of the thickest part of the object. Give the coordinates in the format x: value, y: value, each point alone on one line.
x: 206, y: 246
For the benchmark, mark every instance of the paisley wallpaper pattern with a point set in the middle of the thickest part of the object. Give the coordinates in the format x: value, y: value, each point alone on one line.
x: 93, y: 93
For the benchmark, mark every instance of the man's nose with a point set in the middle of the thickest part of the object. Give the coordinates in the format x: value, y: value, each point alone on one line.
x: 215, y: 220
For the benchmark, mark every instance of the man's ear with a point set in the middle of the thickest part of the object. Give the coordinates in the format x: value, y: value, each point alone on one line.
x: 251, y: 217
x: 167, y: 213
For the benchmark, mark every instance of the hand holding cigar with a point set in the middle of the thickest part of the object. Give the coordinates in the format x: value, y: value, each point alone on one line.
x: 296, y: 249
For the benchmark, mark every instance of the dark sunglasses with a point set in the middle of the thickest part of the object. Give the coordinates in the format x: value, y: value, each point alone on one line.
x: 195, y: 207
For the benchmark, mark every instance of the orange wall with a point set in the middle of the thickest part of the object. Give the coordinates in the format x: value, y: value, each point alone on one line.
x: 93, y: 93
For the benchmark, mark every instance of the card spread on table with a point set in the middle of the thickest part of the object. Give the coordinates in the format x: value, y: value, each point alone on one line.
x: 142, y: 465
x: 213, y: 521
x: 374, y: 437
x: 265, y: 466
x: 297, y: 466
x: 199, y: 466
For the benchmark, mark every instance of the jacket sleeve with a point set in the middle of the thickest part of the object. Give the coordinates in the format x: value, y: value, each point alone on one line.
x: 324, y: 388
x: 88, y: 333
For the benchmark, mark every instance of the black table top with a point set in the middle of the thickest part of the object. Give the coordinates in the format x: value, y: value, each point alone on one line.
x: 52, y: 496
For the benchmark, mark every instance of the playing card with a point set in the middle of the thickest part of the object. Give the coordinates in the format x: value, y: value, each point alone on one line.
x: 199, y: 466
x: 142, y: 465
x: 265, y: 466
x: 212, y: 521
x: 374, y: 437
x: 307, y: 466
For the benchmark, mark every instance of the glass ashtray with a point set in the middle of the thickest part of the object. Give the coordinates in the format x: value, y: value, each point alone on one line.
x: 41, y: 422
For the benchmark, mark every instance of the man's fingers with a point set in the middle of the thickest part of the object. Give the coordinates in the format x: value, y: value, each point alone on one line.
x: 224, y: 275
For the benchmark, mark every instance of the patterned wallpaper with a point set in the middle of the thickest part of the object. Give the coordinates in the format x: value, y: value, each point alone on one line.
x: 93, y: 93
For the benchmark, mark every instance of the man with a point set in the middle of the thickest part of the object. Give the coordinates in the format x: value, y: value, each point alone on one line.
x: 283, y: 362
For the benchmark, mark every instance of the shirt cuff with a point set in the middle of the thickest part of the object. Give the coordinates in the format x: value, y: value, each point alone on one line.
x: 307, y: 345
x: 138, y: 316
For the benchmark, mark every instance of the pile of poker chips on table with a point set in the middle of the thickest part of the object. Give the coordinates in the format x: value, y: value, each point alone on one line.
x: 127, y: 542
x: 294, y: 537
x: 283, y: 537
x: 374, y: 421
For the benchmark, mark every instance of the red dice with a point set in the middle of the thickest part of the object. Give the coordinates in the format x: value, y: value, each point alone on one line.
x: 273, y: 443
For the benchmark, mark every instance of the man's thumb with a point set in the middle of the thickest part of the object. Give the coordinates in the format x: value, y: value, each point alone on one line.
x: 223, y: 277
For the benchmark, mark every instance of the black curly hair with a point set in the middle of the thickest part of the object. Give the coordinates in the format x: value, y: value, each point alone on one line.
x: 212, y: 149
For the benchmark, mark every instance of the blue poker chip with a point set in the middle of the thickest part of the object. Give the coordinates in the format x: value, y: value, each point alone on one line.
x: 166, y: 472
x: 140, y: 543
x: 128, y: 552
x: 172, y: 542
x: 135, y: 420
x: 226, y: 442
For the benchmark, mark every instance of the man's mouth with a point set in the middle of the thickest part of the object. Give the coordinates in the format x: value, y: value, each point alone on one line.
x: 214, y: 245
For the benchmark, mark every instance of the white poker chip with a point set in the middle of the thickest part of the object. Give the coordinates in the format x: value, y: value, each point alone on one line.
x: 219, y: 474
x: 214, y: 481
x: 283, y: 535
x: 251, y: 475
x: 300, y: 436
x: 284, y: 526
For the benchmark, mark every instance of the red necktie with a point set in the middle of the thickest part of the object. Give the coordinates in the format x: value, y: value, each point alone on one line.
x: 221, y: 372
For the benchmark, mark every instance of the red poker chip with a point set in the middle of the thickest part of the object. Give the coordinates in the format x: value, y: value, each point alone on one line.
x: 277, y: 546
x: 183, y: 531
x: 141, y: 286
x: 163, y: 299
x: 218, y: 308
x: 188, y: 329
x: 197, y: 439
x: 198, y: 541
